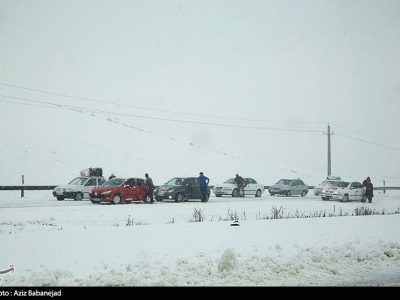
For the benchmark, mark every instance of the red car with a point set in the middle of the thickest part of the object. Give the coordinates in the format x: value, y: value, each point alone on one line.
x: 119, y: 190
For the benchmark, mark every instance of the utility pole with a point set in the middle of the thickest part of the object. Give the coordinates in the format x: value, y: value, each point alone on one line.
x: 329, y: 133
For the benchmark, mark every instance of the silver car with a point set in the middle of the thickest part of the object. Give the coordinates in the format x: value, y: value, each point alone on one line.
x: 289, y: 187
x: 78, y: 188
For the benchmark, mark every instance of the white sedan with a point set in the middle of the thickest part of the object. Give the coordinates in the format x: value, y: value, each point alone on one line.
x: 344, y: 191
x: 321, y: 188
x: 229, y: 187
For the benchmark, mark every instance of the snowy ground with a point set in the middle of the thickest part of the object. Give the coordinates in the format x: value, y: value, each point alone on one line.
x: 68, y: 243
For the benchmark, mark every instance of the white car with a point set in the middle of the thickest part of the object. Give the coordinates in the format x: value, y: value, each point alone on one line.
x: 344, y: 191
x: 321, y: 188
x: 78, y: 188
x: 229, y: 187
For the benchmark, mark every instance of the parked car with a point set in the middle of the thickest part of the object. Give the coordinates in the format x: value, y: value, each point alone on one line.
x: 289, y: 187
x: 321, y: 188
x: 180, y: 189
x: 78, y: 188
x: 229, y: 187
x: 119, y: 190
x: 344, y: 191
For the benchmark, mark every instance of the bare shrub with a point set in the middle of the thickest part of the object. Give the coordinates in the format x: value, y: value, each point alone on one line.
x: 364, y: 211
x: 129, y: 221
x: 277, y: 213
x: 232, y: 216
x: 198, y: 215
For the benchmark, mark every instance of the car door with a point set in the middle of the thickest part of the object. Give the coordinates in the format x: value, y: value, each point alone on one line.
x: 193, y: 191
x: 358, y: 191
x: 353, y: 192
x: 127, y: 190
x: 294, y: 187
x: 251, y: 186
x: 140, y: 190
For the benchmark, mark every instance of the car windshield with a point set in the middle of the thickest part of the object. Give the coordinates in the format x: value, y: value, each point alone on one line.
x: 177, y: 181
x: 232, y: 180
x: 284, y: 181
x: 114, y: 182
x: 78, y: 181
x: 341, y: 184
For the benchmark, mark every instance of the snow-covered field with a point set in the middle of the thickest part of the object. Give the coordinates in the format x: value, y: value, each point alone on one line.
x: 68, y: 243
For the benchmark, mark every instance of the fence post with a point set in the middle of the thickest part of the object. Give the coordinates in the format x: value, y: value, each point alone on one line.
x: 22, y: 187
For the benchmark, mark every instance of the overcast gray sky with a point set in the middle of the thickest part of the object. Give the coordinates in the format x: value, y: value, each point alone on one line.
x: 294, y: 64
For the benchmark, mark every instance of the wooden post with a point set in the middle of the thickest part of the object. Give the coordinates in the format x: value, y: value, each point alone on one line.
x: 384, y: 184
x: 22, y: 187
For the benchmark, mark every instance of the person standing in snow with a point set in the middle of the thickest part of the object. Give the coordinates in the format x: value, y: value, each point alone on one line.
x: 241, y: 183
x: 149, y: 188
x: 203, y: 183
x: 369, y: 190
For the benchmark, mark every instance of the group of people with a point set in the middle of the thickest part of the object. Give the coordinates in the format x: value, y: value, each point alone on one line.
x: 241, y: 184
x: 202, y: 180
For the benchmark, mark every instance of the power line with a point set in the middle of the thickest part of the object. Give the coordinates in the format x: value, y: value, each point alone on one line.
x: 367, y: 134
x: 367, y: 142
x: 69, y: 107
x: 149, y: 108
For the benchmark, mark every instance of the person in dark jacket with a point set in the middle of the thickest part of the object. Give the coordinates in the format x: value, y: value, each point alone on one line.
x: 203, y: 183
x: 149, y: 188
x: 241, y: 183
x: 369, y: 190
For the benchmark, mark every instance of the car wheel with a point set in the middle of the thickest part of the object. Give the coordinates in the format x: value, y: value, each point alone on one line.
x: 303, y: 193
x: 78, y: 197
x: 345, y: 198
x: 272, y: 194
x: 60, y: 198
x: 235, y: 193
x: 324, y: 198
x: 288, y: 193
x: 258, y: 193
x: 179, y: 198
x: 117, y: 199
